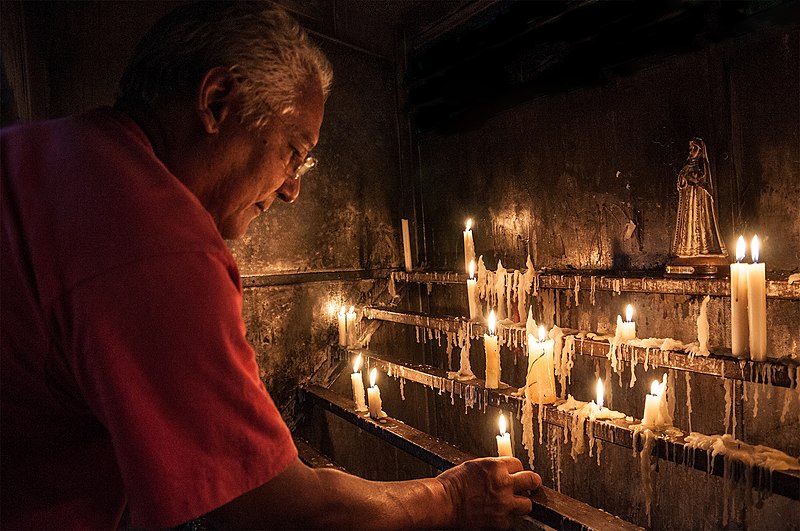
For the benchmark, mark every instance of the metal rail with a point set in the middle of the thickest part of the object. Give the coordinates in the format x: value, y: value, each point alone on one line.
x: 619, y: 432
x: 778, y: 373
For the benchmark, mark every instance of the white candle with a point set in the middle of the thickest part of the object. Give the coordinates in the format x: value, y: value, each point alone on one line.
x: 406, y: 245
x: 626, y: 330
x: 469, y: 246
x: 599, y: 393
x: 374, y: 397
x: 342, y: 327
x: 500, y: 288
x: 504, y: 440
x: 757, y: 305
x: 540, y: 383
x: 474, y: 309
x: 492, y: 349
x: 358, y: 386
x: 651, y: 405
x: 352, y: 337
x: 739, y: 334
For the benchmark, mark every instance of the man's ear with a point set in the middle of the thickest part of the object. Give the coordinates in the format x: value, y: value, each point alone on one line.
x: 215, y: 98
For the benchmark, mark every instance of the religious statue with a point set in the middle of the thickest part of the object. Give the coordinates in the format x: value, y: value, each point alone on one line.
x: 696, y: 244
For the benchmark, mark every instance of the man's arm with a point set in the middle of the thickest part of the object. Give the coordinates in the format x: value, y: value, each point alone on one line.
x: 481, y: 493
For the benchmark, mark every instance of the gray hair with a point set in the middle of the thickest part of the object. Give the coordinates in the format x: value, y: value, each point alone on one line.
x: 266, y: 49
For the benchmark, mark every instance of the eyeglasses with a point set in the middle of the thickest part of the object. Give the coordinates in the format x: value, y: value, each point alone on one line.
x: 304, y: 167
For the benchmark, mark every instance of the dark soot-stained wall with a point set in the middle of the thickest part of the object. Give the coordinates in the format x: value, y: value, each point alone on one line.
x: 560, y: 176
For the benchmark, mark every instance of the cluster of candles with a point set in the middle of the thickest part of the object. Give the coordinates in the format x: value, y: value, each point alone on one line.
x: 748, y: 304
x: 347, y: 325
x: 373, y: 404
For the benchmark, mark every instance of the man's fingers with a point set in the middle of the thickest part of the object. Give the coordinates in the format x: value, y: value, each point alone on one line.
x: 512, y: 464
x: 526, y: 480
x: 521, y: 505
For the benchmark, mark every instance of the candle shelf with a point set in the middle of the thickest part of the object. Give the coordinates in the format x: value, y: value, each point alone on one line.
x: 783, y: 373
x: 551, y: 509
x: 626, y: 282
x: 619, y: 432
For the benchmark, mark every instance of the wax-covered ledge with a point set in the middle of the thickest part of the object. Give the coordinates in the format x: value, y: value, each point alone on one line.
x: 775, y: 372
x: 694, y: 450
x: 778, y: 286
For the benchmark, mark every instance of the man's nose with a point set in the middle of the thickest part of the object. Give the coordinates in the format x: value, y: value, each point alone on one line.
x: 289, y: 190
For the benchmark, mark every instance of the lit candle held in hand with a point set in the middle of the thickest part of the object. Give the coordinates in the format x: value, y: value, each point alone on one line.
x: 757, y: 305
x: 739, y: 327
x: 358, y: 386
x: 492, y: 349
x: 504, y: 440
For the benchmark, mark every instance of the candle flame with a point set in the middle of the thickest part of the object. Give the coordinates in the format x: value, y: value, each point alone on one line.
x: 492, y: 322
x: 629, y: 313
x: 755, y: 248
x: 372, y: 375
x: 469, y: 224
x: 331, y: 309
x: 542, y: 333
x: 599, y: 393
x: 342, y: 310
x: 472, y: 269
x: 357, y: 364
x: 502, y: 423
x: 655, y: 389
x: 352, y: 309
x: 740, y: 249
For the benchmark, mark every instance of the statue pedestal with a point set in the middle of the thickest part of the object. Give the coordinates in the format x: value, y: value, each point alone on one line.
x: 707, y: 266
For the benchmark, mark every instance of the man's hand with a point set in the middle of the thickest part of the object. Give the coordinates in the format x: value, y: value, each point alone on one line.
x: 487, y: 492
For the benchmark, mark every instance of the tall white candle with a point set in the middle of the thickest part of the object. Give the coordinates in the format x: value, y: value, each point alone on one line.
x: 540, y: 384
x: 500, y: 289
x: 358, y: 386
x: 342, y: 326
x: 757, y: 305
x: 739, y: 327
x: 651, y: 405
x: 492, y: 349
x: 374, y: 397
x: 504, y: 440
x: 626, y: 330
x: 406, y: 244
x: 352, y: 335
x: 474, y: 308
x: 469, y: 246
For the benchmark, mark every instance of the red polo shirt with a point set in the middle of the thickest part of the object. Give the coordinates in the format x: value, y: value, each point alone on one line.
x: 125, y: 376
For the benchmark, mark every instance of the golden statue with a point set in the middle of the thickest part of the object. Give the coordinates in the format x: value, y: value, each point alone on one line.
x: 696, y: 242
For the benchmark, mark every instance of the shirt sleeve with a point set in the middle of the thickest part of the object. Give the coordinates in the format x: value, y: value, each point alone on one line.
x: 159, y: 353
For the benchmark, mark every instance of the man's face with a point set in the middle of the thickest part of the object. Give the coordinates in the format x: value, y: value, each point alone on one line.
x: 255, y: 166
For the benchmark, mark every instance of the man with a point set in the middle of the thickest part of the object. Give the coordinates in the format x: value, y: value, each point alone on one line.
x: 126, y: 376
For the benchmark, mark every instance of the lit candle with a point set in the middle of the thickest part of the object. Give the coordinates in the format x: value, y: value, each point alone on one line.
x: 471, y: 295
x: 757, y: 305
x: 626, y: 330
x: 352, y: 338
x: 342, y: 327
x: 374, y: 397
x: 504, y: 440
x: 739, y: 335
x: 358, y: 385
x: 599, y: 390
x: 469, y: 246
x: 492, y: 349
x: 540, y: 383
x: 406, y: 245
x: 651, y: 405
